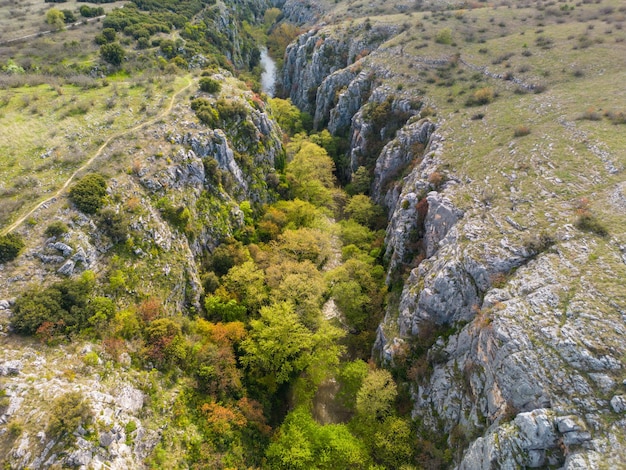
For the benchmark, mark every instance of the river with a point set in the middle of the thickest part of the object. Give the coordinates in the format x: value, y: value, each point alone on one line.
x: 268, y: 77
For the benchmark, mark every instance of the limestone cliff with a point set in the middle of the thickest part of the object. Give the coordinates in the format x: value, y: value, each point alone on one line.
x: 525, y: 363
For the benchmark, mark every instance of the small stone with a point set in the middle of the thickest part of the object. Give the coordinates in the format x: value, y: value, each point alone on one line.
x: 576, y: 437
x: 68, y: 268
x: 106, y: 439
x: 63, y: 248
x: 4, y: 304
x: 11, y: 367
x: 618, y: 403
x: 568, y: 424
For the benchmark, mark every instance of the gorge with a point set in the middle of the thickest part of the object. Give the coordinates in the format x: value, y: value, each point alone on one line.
x: 403, y: 248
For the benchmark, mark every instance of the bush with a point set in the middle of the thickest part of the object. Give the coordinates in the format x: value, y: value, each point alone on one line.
x: 115, y: 225
x: 590, y: 223
x: 88, y: 193
x: 90, y: 12
x: 56, y: 229
x: 521, y: 131
x: 68, y: 412
x: 481, y: 96
x: 444, y: 36
x: 10, y: 246
x: 209, y: 85
x: 112, y: 53
x: 58, y: 309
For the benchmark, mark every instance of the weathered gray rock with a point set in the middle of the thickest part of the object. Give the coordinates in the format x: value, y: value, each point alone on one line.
x: 68, y: 268
x: 396, y: 156
x: 11, y: 367
x: 66, y: 250
x: 50, y: 259
x: 618, y: 403
x: 440, y: 218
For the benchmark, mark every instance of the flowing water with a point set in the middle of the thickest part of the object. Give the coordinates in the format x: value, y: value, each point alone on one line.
x: 268, y: 77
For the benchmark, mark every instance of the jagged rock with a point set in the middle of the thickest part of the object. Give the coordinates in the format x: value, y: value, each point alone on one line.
x: 80, y: 256
x: 4, y: 304
x: 315, y: 55
x: 11, y: 367
x: 49, y: 259
x: 396, y: 156
x: 129, y: 399
x: 68, y: 268
x: 66, y: 250
x: 349, y: 101
x: 618, y: 403
x: 441, y: 216
x: 106, y: 439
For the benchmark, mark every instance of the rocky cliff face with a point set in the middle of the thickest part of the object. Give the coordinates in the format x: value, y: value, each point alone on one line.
x: 315, y: 57
x: 525, y: 366
x: 183, y: 168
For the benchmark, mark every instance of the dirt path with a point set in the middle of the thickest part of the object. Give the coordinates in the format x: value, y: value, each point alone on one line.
x: 88, y: 163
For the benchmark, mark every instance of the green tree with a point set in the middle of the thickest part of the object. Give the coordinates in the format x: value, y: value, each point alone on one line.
x: 287, y: 115
x: 11, y: 245
x: 88, y: 193
x: 247, y: 282
x: 361, y: 209
x: 351, y: 376
x: 278, y: 347
x: 310, y: 175
x: 56, y: 19
x: 301, y: 443
x: 113, y: 53
x: 393, y: 443
x: 376, y: 397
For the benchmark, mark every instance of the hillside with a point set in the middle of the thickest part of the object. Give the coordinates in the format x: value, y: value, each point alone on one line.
x: 413, y: 257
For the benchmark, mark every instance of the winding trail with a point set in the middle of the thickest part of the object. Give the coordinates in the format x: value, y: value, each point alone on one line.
x: 88, y: 163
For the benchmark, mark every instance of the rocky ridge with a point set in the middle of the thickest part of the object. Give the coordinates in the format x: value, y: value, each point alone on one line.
x: 523, y: 377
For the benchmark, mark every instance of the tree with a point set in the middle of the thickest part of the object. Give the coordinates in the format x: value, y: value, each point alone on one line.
x: 11, y: 245
x: 113, y: 53
x: 247, y: 283
x: 88, y: 193
x: 288, y: 116
x: 310, y: 174
x: 375, y: 399
x: 301, y: 443
x: 68, y: 16
x: 278, y: 347
x: 56, y: 19
x: 362, y: 210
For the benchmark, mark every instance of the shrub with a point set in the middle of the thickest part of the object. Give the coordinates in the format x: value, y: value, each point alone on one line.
x: 590, y: 223
x: 10, y: 246
x: 210, y: 85
x: 481, y: 96
x: 112, y: 53
x: 56, y: 229
x: 58, y: 309
x: 591, y: 115
x: 88, y: 193
x: 115, y: 225
x: 521, y: 131
x: 618, y: 117
x: 444, y: 36
x: 68, y: 412
x: 538, y: 243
